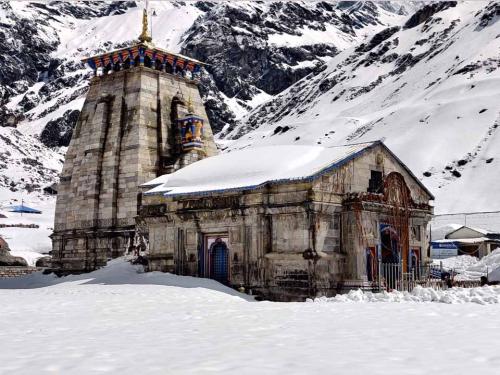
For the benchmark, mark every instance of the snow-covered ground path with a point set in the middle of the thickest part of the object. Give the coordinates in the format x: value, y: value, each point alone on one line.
x: 117, y: 321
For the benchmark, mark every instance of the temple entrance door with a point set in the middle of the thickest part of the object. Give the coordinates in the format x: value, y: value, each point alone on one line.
x: 414, y: 258
x: 414, y: 264
x: 371, y: 264
x: 216, y: 259
x: 390, y: 247
x: 390, y: 253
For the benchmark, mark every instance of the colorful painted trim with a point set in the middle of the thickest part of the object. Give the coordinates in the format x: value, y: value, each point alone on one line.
x: 177, y: 62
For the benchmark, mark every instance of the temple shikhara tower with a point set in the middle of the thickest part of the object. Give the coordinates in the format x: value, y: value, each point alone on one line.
x: 143, y: 117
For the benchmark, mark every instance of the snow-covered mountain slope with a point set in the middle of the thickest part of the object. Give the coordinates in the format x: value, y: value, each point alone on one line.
x: 43, y: 82
x: 430, y: 87
x: 423, y: 76
x: 256, y: 50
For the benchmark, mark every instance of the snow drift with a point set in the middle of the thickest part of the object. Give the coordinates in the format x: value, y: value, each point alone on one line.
x: 119, y: 272
x: 471, y: 268
x: 483, y: 295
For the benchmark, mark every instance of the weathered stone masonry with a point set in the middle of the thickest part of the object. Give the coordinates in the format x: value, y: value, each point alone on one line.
x: 288, y: 241
x: 126, y: 135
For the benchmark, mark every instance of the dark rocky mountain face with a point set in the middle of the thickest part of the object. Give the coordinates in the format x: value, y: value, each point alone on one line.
x: 26, y: 46
x: 249, y: 51
x: 427, y: 12
x: 24, y: 53
x: 58, y: 132
x: 235, y: 42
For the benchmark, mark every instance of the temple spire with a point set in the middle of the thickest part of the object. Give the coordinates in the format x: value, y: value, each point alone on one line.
x: 145, y: 37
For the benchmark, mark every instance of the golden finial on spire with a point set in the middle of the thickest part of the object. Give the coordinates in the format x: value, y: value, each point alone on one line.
x: 145, y: 37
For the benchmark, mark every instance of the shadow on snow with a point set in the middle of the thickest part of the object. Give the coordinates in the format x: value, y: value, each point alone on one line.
x: 119, y: 272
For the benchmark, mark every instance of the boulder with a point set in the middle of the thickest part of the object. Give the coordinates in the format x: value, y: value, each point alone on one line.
x: 44, y: 262
x: 6, y: 259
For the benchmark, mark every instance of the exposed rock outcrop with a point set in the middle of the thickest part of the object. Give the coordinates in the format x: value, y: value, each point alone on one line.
x: 44, y: 262
x: 427, y: 12
x: 58, y: 132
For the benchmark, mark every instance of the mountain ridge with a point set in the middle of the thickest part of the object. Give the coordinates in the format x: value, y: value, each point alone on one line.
x: 322, y: 72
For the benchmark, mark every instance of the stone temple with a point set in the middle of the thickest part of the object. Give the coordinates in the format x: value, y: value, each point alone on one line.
x: 142, y: 117
x: 142, y: 176
x: 290, y: 222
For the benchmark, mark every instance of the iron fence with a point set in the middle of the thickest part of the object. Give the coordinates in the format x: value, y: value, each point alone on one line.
x: 393, y: 276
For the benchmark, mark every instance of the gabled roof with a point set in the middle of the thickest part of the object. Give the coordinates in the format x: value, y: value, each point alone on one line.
x: 480, y: 231
x: 408, y: 170
x: 255, y: 167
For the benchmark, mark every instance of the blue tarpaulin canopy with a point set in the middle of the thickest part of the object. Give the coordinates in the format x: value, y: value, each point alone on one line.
x: 24, y: 209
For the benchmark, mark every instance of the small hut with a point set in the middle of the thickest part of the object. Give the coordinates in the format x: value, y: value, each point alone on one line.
x: 467, y: 240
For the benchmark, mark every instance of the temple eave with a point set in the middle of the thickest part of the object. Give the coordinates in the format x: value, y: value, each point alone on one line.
x: 147, y: 55
x: 147, y: 46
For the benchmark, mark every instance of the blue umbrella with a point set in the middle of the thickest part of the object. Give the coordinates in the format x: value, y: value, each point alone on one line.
x: 24, y: 209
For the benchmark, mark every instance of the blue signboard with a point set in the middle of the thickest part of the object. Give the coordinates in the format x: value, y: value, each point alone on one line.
x: 440, y: 250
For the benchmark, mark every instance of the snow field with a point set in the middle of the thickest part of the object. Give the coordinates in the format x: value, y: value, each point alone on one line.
x: 116, y: 320
x: 457, y: 263
x: 489, y: 264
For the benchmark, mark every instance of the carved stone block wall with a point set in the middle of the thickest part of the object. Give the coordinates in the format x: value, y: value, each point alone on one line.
x: 123, y: 138
x: 269, y: 231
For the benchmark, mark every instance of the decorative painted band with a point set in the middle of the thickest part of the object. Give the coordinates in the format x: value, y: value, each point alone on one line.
x: 155, y: 54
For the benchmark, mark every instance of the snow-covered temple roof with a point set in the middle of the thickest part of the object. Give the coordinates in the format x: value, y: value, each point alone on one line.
x: 254, y: 167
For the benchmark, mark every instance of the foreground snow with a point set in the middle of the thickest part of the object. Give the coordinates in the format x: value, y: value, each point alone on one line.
x: 457, y: 263
x: 118, y: 321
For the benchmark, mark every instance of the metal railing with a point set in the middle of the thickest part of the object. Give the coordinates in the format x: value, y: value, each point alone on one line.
x: 393, y: 276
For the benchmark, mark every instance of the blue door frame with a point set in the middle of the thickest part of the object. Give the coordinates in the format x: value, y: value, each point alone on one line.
x: 213, y: 260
